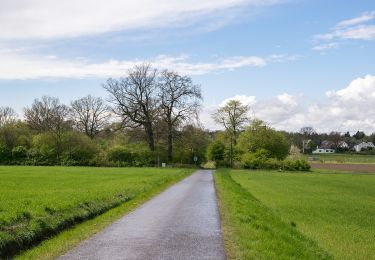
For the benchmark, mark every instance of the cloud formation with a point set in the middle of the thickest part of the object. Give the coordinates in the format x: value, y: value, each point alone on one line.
x: 348, y: 109
x: 45, y: 19
x: 351, y: 29
x: 17, y: 66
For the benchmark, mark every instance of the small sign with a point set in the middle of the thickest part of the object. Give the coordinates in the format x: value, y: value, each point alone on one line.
x: 195, y: 158
x: 163, y: 165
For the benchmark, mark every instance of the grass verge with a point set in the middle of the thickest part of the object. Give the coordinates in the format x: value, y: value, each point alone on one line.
x: 253, y: 231
x: 335, y: 210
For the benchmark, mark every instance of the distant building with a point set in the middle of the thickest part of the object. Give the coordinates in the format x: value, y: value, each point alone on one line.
x: 363, y: 146
x: 343, y: 145
x: 323, y: 150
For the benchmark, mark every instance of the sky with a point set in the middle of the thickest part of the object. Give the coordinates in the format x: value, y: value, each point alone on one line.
x: 294, y: 62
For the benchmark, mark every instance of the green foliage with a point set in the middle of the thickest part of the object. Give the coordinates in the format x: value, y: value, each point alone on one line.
x: 295, y: 165
x: 260, y: 136
x: 77, y: 149
x: 19, y: 153
x: 216, y: 151
x: 64, y: 196
x: 260, y: 160
x: 254, y: 231
x: 335, y: 210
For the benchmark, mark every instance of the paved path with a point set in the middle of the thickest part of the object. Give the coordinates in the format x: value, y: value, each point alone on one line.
x: 180, y: 223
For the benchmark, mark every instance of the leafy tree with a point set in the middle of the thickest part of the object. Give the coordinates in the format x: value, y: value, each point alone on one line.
x: 359, y: 135
x: 233, y: 116
x: 260, y: 136
x: 216, y: 151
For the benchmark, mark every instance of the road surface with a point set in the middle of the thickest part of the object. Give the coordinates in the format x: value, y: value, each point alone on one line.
x: 180, y: 223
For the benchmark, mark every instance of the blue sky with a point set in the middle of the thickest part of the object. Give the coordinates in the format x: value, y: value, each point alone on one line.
x: 292, y: 61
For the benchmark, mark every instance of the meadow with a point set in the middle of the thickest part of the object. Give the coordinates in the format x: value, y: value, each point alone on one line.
x: 343, y: 158
x: 39, y: 202
x: 333, y: 212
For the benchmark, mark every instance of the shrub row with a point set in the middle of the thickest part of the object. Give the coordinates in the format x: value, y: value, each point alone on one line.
x: 260, y: 160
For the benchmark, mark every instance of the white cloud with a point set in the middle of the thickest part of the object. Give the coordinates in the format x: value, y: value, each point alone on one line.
x: 15, y: 65
x: 325, y: 47
x: 348, y: 109
x: 352, y: 29
x: 367, y: 16
x: 45, y: 19
x: 246, y: 100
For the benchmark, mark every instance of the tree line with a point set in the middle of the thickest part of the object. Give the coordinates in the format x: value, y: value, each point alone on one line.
x: 150, y: 116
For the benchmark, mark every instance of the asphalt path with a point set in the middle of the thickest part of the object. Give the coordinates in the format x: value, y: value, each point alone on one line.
x: 181, y: 223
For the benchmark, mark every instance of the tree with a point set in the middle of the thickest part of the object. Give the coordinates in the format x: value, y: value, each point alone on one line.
x: 7, y: 115
x: 260, y: 136
x: 307, y: 131
x: 180, y: 101
x: 233, y: 116
x: 135, y: 99
x: 89, y: 115
x: 48, y: 115
x: 216, y: 151
x: 336, y: 139
x: 359, y: 135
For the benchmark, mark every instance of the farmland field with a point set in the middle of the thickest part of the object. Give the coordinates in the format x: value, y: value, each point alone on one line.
x: 336, y: 211
x: 37, y: 202
x: 343, y: 158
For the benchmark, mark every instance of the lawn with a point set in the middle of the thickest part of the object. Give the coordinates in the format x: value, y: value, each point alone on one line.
x: 37, y: 202
x: 336, y: 211
x: 343, y: 158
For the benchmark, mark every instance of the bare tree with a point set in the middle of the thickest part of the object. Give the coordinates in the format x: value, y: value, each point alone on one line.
x: 89, y: 115
x: 48, y: 115
x: 180, y: 101
x: 7, y: 115
x: 233, y: 116
x: 135, y: 99
x: 307, y: 131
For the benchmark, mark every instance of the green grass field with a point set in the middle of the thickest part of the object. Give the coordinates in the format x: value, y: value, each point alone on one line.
x: 343, y: 158
x: 336, y: 211
x: 37, y: 202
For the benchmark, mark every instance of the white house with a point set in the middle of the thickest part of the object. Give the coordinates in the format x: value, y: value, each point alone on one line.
x: 322, y: 150
x: 363, y: 145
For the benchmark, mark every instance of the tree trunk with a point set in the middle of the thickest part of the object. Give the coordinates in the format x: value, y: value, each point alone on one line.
x: 150, y: 136
x: 170, y: 143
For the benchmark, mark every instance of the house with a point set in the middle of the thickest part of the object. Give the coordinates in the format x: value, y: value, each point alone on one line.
x: 322, y: 150
x: 327, y: 144
x: 363, y: 146
x: 343, y: 145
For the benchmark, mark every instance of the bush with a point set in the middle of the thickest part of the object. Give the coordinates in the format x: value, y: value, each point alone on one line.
x: 260, y: 136
x: 120, y: 155
x: 261, y: 160
x: 296, y: 165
